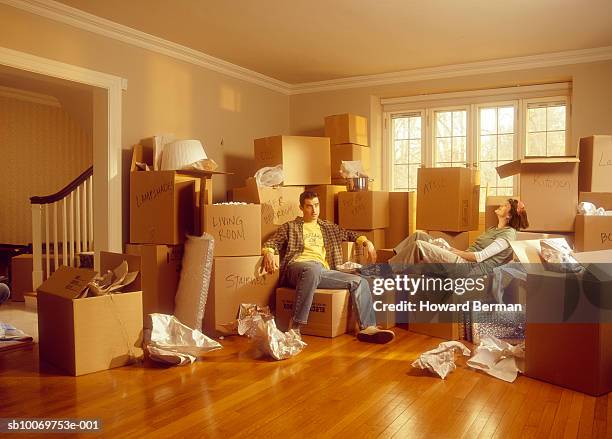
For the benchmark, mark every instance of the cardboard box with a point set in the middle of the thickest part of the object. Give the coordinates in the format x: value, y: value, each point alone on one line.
x: 87, y: 335
x: 447, y: 199
x: 21, y: 274
x: 236, y: 228
x: 549, y: 189
x: 491, y: 205
x: 595, y: 164
x: 524, y: 236
x: 384, y: 254
x: 599, y: 199
x: 160, y: 270
x: 363, y: 210
x: 349, y: 152
x: 329, y: 312
x: 458, y: 240
x: 402, y: 217
x: 347, y: 128
x: 305, y: 160
x: 593, y: 232
x: 328, y: 199
x: 235, y: 280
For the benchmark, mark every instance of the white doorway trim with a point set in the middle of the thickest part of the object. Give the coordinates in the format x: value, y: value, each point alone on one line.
x: 107, y: 163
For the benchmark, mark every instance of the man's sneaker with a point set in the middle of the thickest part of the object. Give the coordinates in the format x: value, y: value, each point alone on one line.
x: 372, y: 334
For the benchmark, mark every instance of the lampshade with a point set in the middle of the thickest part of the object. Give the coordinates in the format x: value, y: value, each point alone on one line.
x: 180, y: 153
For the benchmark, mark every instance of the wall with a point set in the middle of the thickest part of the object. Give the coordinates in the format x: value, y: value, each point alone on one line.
x: 43, y: 149
x: 591, y: 100
x: 164, y: 95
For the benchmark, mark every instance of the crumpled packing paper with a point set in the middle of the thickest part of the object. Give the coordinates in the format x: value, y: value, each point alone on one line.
x: 352, y: 169
x: 177, y: 344
x: 586, y: 208
x: 441, y: 360
x: 111, y: 281
x: 270, y: 176
x: 498, y: 358
x: 258, y: 324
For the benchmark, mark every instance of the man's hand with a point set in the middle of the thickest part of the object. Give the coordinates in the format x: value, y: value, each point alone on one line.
x: 269, y: 262
x: 371, y: 251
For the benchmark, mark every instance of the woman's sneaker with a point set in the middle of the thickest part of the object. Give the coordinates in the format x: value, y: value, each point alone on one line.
x: 372, y: 334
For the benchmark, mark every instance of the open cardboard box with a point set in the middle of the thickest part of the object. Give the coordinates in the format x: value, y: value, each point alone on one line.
x: 86, y: 335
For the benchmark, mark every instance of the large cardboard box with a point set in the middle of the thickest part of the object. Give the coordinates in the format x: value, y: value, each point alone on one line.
x: 236, y: 280
x: 593, y: 232
x: 81, y: 336
x: 363, y: 210
x: 21, y: 274
x: 305, y: 160
x: 347, y: 128
x: 599, y: 199
x: 329, y: 312
x: 447, y: 199
x: 328, y: 199
x: 549, y: 189
x: 236, y: 228
x: 160, y: 270
x: 458, y: 240
x: 349, y: 152
x: 595, y: 164
x: 402, y: 217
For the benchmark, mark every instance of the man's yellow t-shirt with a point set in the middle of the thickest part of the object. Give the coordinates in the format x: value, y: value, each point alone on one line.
x: 314, y: 246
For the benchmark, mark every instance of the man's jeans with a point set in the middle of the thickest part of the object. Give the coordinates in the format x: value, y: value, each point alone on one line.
x: 306, y: 277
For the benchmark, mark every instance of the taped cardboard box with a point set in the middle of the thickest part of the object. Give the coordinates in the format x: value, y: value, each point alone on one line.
x: 595, y: 164
x: 349, y: 152
x: 448, y: 199
x: 21, y: 274
x: 599, y: 199
x: 160, y: 270
x: 329, y: 312
x: 328, y: 199
x: 363, y: 210
x: 236, y: 280
x: 236, y: 228
x: 305, y: 160
x: 549, y: 189
x: 593, y: 232
x: 81, y: 336
x: 402, y: 217
x: 347, y: 128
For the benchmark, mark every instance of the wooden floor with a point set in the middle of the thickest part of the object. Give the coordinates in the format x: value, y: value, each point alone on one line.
x: 334, y: 388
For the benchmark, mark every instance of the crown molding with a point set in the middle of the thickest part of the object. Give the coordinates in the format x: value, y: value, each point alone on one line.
x: 456, y: 70
x: 74, y: 17
x: 28, y: 96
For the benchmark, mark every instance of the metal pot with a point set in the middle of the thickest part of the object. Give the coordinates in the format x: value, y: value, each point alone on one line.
x: 358, y: 184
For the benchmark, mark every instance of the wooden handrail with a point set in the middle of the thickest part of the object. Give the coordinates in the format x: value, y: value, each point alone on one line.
x: 65, y: 191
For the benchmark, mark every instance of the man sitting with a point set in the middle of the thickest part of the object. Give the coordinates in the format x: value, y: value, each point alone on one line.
x: 311, y: 249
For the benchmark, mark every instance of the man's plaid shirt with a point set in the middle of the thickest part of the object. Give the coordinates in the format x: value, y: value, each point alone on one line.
x: 288, y: 242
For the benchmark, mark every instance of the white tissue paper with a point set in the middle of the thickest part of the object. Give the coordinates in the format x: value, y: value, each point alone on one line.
x: 441, y: 360
x: 352, y: 169
x: 174, y: 343
x: 270, y: 176
x: 498, y: 358
x: 586, y: 208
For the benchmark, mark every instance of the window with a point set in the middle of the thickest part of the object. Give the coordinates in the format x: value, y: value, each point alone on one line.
x: 474, y: 128
x: 407, y: 149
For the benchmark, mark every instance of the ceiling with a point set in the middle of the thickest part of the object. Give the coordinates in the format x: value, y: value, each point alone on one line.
x: 300, y: 41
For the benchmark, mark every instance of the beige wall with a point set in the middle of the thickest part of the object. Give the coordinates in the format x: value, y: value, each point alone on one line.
x: 43, y: 149
x: 163, y: 95
x: 591, y: 100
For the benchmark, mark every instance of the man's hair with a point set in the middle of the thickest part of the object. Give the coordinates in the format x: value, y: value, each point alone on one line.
x: 307, y: 195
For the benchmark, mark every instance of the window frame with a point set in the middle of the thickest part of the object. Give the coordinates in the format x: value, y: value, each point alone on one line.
x: 544, y: 100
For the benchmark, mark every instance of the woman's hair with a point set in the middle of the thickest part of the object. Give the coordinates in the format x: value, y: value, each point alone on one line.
x: 518, y: 215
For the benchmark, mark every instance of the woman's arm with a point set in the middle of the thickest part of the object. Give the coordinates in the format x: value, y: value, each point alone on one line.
x: 497, y: 246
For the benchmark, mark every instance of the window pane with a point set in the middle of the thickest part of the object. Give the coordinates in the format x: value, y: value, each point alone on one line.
x: 415, y: 127
x: 458, y: 153
x: 488, y: 147
x: 555, y: 119
x: 400, y: 177
x: 505, y: 147
x: 443, y: 150
x: 443, y: 123
x: 488, y: 121
x: 536, y: 119
x: 536, y: 144
x: 505, y: 191
x: 401, y: 151
x: 400, y: 128
x: 555, y: 143
x: 415, y: 151
x: 412, y: 176
x: 488, y: 174
x: 459, y: 123
x: 506, y: 120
